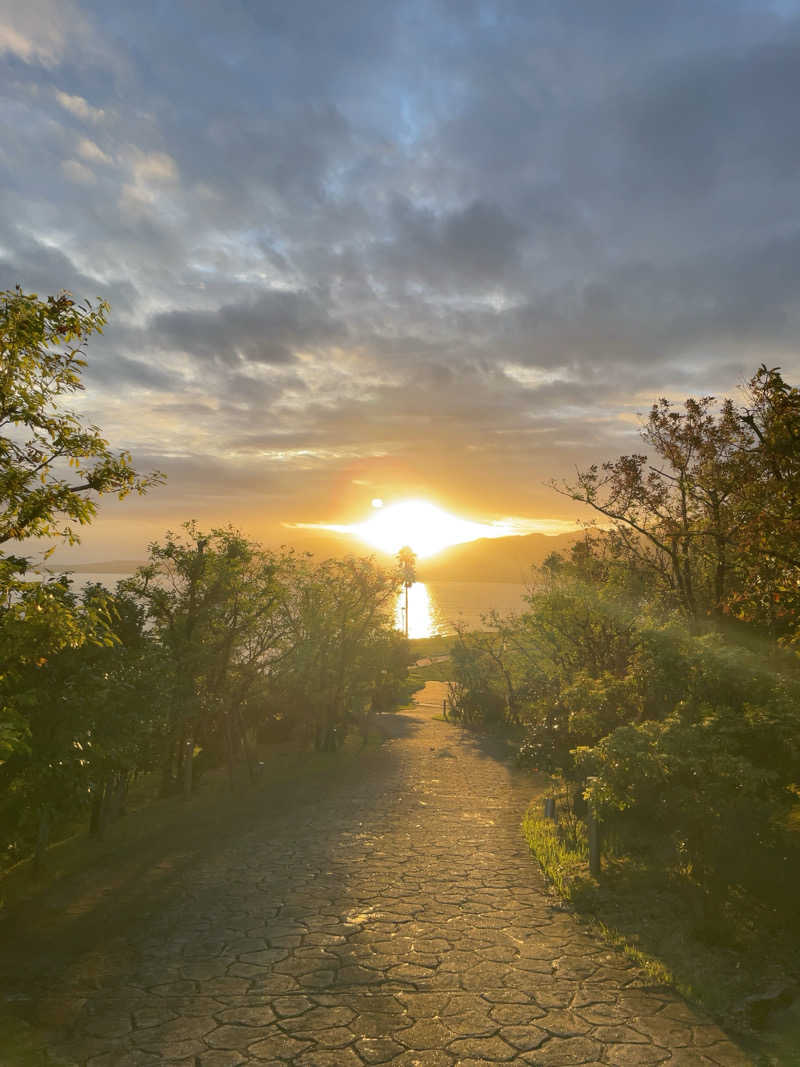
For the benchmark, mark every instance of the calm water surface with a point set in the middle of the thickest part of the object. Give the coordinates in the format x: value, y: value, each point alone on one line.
x: 433, y: 607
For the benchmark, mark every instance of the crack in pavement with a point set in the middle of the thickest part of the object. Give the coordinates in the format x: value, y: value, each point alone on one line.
x: 400, y: 919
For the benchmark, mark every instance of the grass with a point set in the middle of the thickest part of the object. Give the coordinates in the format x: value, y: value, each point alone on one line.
x: 434, y: 672
x: 439, y: 645
x: 437, y: 671
x: 565, y: 868
x: 652, y: 918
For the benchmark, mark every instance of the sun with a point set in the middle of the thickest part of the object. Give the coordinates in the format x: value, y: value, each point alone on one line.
x: 421, y: 525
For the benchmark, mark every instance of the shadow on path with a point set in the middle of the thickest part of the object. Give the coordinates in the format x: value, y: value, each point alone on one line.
x: 43, y: 938
x: 389, y: 913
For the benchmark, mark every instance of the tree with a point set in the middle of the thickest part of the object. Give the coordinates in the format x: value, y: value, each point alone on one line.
x: 52, y: 466
x: 672, y: 510
x: 52, y: 470
x: 343, y: 657
x: 42, y: 627
x: 712, y: 512
x: 768, y: 508
x: 407, y: 562
x: 213, y: 600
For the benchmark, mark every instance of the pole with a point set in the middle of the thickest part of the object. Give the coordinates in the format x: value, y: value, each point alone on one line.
x: 406, y: 613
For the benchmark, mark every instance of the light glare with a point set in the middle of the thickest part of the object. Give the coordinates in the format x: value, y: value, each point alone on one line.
x: 422, y: 526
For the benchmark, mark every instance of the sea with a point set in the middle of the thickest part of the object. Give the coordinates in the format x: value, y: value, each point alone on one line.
x: 434, y: 608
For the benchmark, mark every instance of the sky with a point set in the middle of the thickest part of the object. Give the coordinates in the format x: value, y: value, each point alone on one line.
x: 445, y: 249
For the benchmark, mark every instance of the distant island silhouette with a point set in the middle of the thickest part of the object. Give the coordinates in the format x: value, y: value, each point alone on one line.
x: 501, y: 559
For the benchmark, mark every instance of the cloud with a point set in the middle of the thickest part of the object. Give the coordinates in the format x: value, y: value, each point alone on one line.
x: 79, y: 107
x: 35, y: 32
x: 78, y: 172
x: 50, y: 33
x: 92, y: 152
x: 475, y: 246
x: 153, y: 167
x: 271, y: 327
x: 151, y: 173
x: 455, y: 246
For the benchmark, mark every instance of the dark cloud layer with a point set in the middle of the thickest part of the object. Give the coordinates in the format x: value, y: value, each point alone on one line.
x: 368, y: 247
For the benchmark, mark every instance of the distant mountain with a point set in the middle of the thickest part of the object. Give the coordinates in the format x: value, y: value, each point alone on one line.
x: 499, y: 559
x: 323, y: 544
x: 112, y: 566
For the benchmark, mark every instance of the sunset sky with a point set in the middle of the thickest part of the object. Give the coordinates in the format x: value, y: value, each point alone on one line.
x: 440, y: 250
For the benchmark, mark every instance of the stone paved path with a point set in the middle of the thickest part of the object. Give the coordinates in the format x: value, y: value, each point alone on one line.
x: 400, y: 920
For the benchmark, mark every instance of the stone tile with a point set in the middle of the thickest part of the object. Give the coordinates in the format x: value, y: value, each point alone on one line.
x: 563, y: 1023
x: 221, y: 1058
x: 377, y: 1049
x: 278, y: 1046
x: 247, y: 1015
x: 623, y: 1054
x: 492, y: 1048
x: 564, y: 1051
x: 430, y: 1058
x: 426, y: 1034
x: 153, y: 1015
x: 156, y: 1038
x: 471, y: 1023
x: 398, y: 919
x: 524, y: 1038
x: 234, y: 1036
x: 343, y: 1057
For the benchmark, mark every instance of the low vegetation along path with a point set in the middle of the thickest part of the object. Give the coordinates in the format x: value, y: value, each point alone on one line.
x: 396, y: 918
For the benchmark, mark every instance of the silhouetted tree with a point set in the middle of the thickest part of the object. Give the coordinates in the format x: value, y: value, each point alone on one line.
x: 407, y: 562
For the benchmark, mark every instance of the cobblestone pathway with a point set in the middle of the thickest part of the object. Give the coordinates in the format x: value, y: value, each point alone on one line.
x: 400, y: 920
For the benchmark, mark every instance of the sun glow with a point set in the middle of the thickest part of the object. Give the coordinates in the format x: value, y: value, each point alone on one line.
x: 423, y: 526
x: 421, y: 622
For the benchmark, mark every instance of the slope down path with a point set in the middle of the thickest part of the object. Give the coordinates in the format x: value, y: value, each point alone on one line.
x: 398, y: 918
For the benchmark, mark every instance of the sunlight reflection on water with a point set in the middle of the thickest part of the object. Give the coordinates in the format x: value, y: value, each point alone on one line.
x: 420, y: 615
x: 434, y: 607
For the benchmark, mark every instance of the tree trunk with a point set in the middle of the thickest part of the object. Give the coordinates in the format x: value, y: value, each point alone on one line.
x: 229, y: 750
x: 42, y: 840
x: 116, y: 797
x: 168, y: 765
x: 188, y: 765
x: 97, y: 815
x: 245, y: 744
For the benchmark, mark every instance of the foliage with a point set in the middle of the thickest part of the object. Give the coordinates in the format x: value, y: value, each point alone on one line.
x: 407, y: 564
x: 710, y: 512
x: 212, y: 600
x: 51, y: 465
x: 653, y: 667
x: 64, y: 720
x: 685, y: 739
x: 476, y: 693
x: 89, y: 709
x: 714, y: 778
x: 345, y: 659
